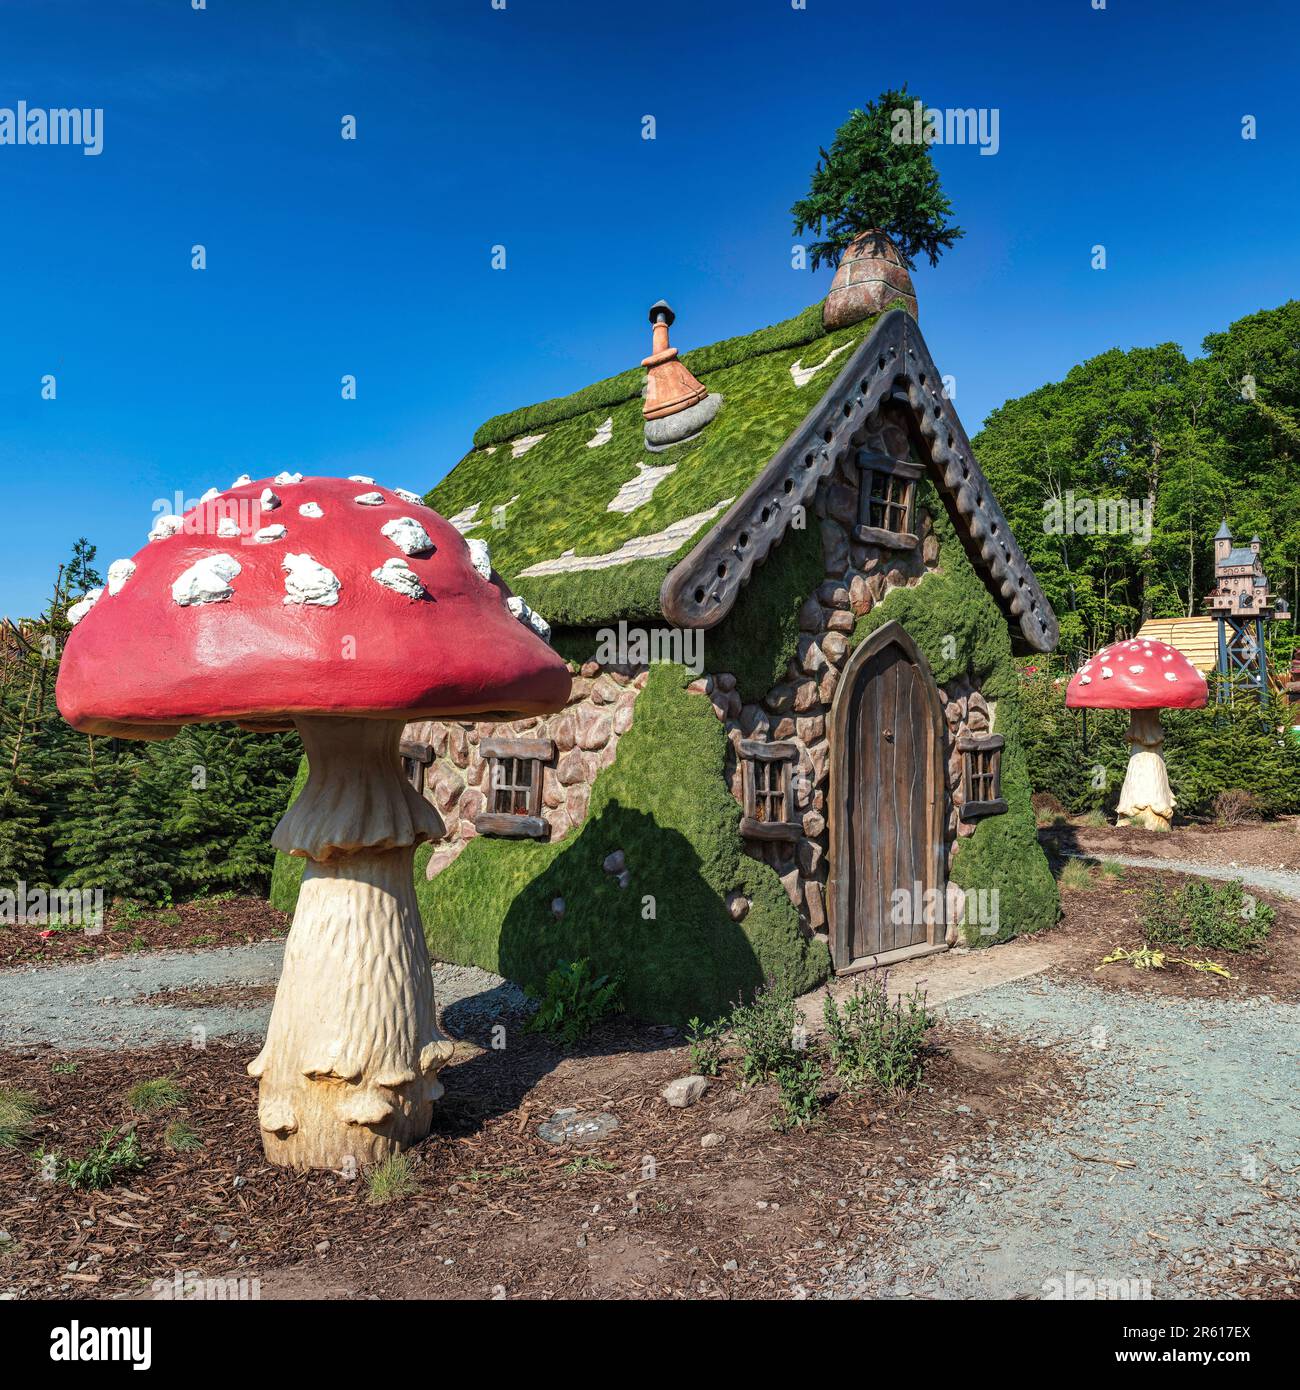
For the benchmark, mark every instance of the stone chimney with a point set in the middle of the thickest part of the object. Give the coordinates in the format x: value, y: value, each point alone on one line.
x: 677, y: 405
x: 871, y: 276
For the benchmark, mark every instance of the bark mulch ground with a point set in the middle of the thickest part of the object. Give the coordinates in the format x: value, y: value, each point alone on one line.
x: 1273, y: 844
x: 646, y: 1212
x: 216, y: 921
x: 1097, y: 919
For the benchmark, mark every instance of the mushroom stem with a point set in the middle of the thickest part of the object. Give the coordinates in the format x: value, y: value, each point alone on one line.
x: 1145, y: 799
x: 349, y: 1072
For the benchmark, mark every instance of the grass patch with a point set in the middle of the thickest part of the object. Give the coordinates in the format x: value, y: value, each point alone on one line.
x: 391, y: 1179
x: 18, y: 1112
x: 1076, y: 874
x: 181, y: 1137
x: 155, y: 1096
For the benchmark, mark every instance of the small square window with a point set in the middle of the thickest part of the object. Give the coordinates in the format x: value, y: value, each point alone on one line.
x: 767, y: 783
x: 886, y: 500
x: 514, y: 788
x: 981, y: 775
x: 416, y: 756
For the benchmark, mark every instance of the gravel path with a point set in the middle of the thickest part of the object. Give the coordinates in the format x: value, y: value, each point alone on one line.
x: 1283, y: 882
x: 1195, y: 1098
x: 92, y: 1004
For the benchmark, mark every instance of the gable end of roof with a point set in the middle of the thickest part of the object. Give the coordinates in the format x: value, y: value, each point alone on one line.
x: 892, y: 363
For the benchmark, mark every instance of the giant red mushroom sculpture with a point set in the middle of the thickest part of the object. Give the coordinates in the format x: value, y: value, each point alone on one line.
x: 342, y: 610
x: 1144, y: 677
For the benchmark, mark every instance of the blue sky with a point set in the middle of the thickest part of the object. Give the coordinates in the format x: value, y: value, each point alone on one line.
x: 522, y: 127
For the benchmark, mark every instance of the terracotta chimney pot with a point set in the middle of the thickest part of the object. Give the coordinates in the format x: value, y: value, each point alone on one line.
x: 870, y: 277
x: 670, y: 386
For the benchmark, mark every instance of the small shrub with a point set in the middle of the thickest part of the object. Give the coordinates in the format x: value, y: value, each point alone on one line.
x: 574, y: 1002
x: 393, y: 1178
x: 1075, y: 874
x: 1047, y: 809
x: 705, y: 1043
x: 181, y: 1137
x: 18, y: 1112
x: 1097, y: 819
x: 764, y: 1029
x: 1233, y: 806
x: 800, y: 1087
x: 876, y: 1039
x: 153, y: 1097
x: 113, y: 1157
x: 1204, y: 915
x: 1111, y: 869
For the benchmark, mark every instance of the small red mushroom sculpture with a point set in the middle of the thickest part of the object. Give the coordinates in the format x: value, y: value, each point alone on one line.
x: 1144, y: 677
x: 343, y: 610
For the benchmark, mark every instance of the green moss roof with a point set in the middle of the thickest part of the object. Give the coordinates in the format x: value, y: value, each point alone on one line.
x: 556, y: 495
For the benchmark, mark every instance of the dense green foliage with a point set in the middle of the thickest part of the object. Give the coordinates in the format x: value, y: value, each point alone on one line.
x: 951, y: 616
x: 1198, y: 440
x: 556, y: 497
x: 155, y: 822
x: 869, y: 179
x: 870, y: 1037
x: 574, y: 1001
x: 1207, y: 751
x: 1205, y: 916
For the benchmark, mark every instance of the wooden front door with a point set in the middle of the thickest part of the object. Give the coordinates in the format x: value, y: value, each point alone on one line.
x: 887, y: 793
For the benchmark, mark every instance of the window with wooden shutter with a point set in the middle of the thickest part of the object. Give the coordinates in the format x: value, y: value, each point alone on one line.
x: 767, y: 784
x: 887, y: 500
x: 416, y: 757
x: 514, y: 789
x: 981, y: 775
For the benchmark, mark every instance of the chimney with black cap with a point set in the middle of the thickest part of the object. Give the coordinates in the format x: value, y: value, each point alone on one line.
x: 677, y: 405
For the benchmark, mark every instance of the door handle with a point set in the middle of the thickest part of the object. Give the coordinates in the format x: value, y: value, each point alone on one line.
x: 889, y: 735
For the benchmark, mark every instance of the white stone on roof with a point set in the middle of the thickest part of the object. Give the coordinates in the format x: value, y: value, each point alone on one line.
x: 802, y: 375
x: 636, y: 492
x: 656, y: 546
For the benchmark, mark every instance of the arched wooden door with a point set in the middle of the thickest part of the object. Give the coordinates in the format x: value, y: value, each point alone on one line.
x: 887, y: 791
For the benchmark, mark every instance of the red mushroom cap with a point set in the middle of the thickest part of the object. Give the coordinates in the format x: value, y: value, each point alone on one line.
x: 1137, y: 674
x: 256, y: 611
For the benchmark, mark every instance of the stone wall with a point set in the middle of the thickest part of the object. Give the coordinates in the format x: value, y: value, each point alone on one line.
x: 586, y: 736
x: 798, y: 710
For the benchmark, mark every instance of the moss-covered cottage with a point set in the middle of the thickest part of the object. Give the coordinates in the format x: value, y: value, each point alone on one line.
x: 791, y: 603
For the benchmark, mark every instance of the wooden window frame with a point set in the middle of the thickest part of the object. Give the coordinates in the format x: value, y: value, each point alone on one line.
x: 900, y: 478
x: 533, y: 754
x: 981, y: 771
x: 761, y: 765
x: 416, y: 756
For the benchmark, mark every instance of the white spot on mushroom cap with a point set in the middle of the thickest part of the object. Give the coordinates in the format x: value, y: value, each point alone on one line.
x: 408, y: 496
x: 308, y: 581
x: 268, y: 500
x: 83, y: 605
x: 370, y: 499
x: 1106, y: 673
x: 1085, y: 680
x: 407, y: 535
x: 1137, y: 670
x: 286, y: 479
x: 274, y: 532
x: 206, y: 581
x: 242, y: 481
x: 210, y: 495
x: 1171, y: 675
x: 227, y: 528
x: 359, y: 478
x: 165, y: 526
x: 397, y: 575
x: 526, y: 615
x: 480, y: 557
x: 118, y: 573
x: 311, y: 509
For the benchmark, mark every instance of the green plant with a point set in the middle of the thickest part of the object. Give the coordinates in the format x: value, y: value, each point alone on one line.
x: 764, y: 1029
x: 574, y: 1002
x: 153, y: 1097
x: 587, y: 1163
x: 65, y: 1068
x: 393, y: 1178
x: 870, y: 179
x: 1076, y: 874
x: 1110, y: 868
x: 705, y: 1043
x: 876, y: 1039
x: 181, y: 1137
x: 1207, y: 916
x: 18, y: 1112
x: 799, y: 1093
x: 115, y: 1155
